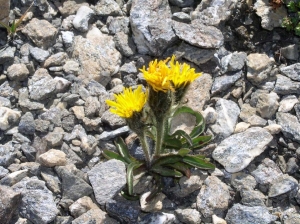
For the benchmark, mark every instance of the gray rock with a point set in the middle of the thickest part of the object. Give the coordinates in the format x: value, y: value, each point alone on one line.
x: 54, y: 115
x: 73, y: 187
x: 222, y: 83
x: 37, y: 204
x: 227, y: 116
x: 243, y: 180
x: 266, y: 104
x: 213, y: 12
x: 259, y: 67
x: 57, y: 59
x: 290, y: 125
x: 237, y: 151
x: 8, y: 118
x: 252, y: 197
x: 41, y: 32
x: 291, y: 71
x: 291, y: 219
x: 247, y: 111
x: 245, y: 214
x: 188, y: 215
x: 51, y: 179
x: 3, y: 172
x: 17, y: 72
x: 285, y: 85
x: 67, y: 37
x: 70, y: 7
x: 14, y: 177
x: 107, y: 179
x: 72, y: 157
x: 213, y: 197
x: 113, y: 120
x: 266, y: 172
x: 287, y: 103
x: 290, y: 52
x: 282, y: 185
x: 158, y: 218
x: 4, y: 102
x: 124, y: 44
x: 97, y: 56
x: 95, y: 216
x: 39, y: 54
x: 4, y: 12
x: 182, y: 3
x: 81, y: 20
x: 107, y: 135
x: 291, y: 166
x: 10, y: 201
x: 181, y: 17
x: 150, y: 35
x: 269, y: 18
x: 41, y: 85
x: 198, y: 34
x: 117, y: 24
x: 7, y: 55
x: 27, y: 124
x: 55, y: 138
x: 107, y: 8
x: 233, y: 62
x: 91, y: 106
x: 25, y: 103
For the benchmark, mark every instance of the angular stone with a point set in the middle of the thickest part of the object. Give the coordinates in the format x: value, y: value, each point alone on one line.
x: 95, y: 216
x: 150, y: 35
x: 4, y: 11
x: 213, y: 197
x: 290, y: 125
x: 245, y: 214
x: 25, y: 103
x: 107, y: 8
x: 81, y: 20
x: 290, y: 52
x: 39, y: 54
x: 27, y: 124
x: 7, y: 55
x: 9, y: 203
x: 14, y: 177
x: 70, y: 7
x: 188, y: 215
x: 17, y: 72
x: 8, y: 117
x: 283, y: 185
x: 242, y: 180
x: 56, y: 59
x: 291, y: 71
x: 237, y: 151
x: 81, y: 206
x: 7, y: 154
x: 287, y: 103
x: 155, y: 204
x: 198, y: 34
x: 118, y: 24
x: 252, y: 197
x: 266, y: 104
x: 233, y: 62
x: 182, y: 3
x: 53, y: 158
x: 107, y: 179
x: 124, y: 44
x: 152, y: 218
x: 285, y: 86
x: 222, y: 83
x: 41, y: 32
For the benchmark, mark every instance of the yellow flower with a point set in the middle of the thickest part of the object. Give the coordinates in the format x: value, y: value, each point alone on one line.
x: 157, y: 75
x: 181, y: 74
x: 128, y: 102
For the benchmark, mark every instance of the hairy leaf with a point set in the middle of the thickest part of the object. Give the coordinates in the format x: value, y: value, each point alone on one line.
x: 166, y: 172
x: 123, y: 150
x: 129, y: 175
x: 112, y: 155
x: 182, y: 167
x: 198, y: 162
x: 167, y: 160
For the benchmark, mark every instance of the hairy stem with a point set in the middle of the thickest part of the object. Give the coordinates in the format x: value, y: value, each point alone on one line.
x: 146, y: 149
x: 160, y: 134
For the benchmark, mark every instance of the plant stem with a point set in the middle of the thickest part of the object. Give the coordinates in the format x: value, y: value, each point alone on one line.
x: 160, y: 134
x: 145, y: 147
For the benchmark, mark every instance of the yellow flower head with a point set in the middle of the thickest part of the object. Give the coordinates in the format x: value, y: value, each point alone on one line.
x: 128, y: 102
x: 157, y: 75
x: 181, y: 74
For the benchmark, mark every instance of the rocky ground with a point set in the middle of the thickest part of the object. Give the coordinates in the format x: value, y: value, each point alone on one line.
x: 70, y: 56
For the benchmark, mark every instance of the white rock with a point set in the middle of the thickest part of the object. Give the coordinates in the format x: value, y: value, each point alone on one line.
x: 81, y: 20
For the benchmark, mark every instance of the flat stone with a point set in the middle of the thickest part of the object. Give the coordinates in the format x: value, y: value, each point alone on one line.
x: 125, y: 44
x: 17, y: 72
x: 291, y: 52
x: 182, y: 3
x: 245, y: 214
x: 233, y: 62
x: 7, y: 55
x: 57, y: 59
x: 291, y: 71
x: 287, y: 103
x: 286, y: 86
x: 283, y: 185
x: 81, y: 206
x: 10, y: 201
x: 39, y: 54
x: 237, y: 151
x: 188, y: 215
x: 53, y: 158
x: 252, y: 197
x: 81, y: 20
x: 95, y: 216
x: 222, y: 83
x: 107, y: 8
x: 158, y: 218
x: 107, y: 179
x: 242, y: 180
x: 198, y: 34
x: 14, y: 177
x: 150, y: 35
x: 290, y: 125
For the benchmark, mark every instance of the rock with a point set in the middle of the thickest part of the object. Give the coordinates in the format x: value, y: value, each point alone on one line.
x: 124, y: 44
x: 107, y: 179
x: 81, y: 20
x: 198, y: 93
x: 227, y: 116
x: 5, y: 102
x: 95, y: 216
x: 291, y: 166
x: 233, y: 62
x: 158, y: 218
x: 188, y: 215
x: 252, y: 197
x: 54, y: 115
x: 41, y: 85
x: 291, y: 71
x: 73, y: 187
x: 241, y: 127
x: 213, y: 197
x: 62, y: 85
x: 41, y: 32
x: 39, y: 54
x: 290, y: 52
x: 269, y: 17
x: 3, y: 172
x: 57, y: 59
x: 17, y: 72
x: 199, y: 35
x: 247, y: 111
x: 182, y: 3
x: 8, y: 117
x: 118, y: 24
x: 259, y: 67
x: 213, y: 12
x: 55, y: 138
x: 107, y: 8
x: 222, y: 83
x: 91, y: 106
x: 181, y: 17
x: 52, y: 181
x: 266, y: 172
x: 155, y: 204
x: 245, y: 214
x: 53, y: 158
x: 71, y: 67
x: 290, y: 125
x: 243, y: 180
x: 283, y: 185
x: 273, y: 129
x: 7, y: 55
x: 237, y: 151
x: 68, y: 8
x: 10, y: 201
x: 150, y: 35
x: 285, y: 86
x: 27, y: 124
x: 81, y: 206
x: 210, y: 115
x: 14, y: 177
x: 4, y: 12
x: 7, y: 154
x: 266, y: 104
x: 67, y: 38
x: 113, y: 120
x: 97, y: 56
x: 25, y: 103
x: 37, y: 203
x: 287, y: 103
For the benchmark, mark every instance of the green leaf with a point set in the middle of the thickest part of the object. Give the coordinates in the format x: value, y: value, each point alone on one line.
x: 198, y: 162
x: 182, y: 167
x: 182, y: 134
x: 5, y: 26
x: 198, y: 130
x: 166, y: 172
x: 167, y: 160
x: 130, y: 197
x: 184, y: 151
x: 170, y: 142
x: 123, y: 150
x: 201, y: 140
x: 112, y: 155
x: 129, y: 175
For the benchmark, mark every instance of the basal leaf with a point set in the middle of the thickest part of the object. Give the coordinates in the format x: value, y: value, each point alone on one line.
x: 112, y: 155
x: 198, y: 162
x: 130, y: 197
x: 182, y: 135
x: 182, y: 167
x: 123, y: 150
x: 201, y: 140
x: 166, y: 172
x: 129, y: 175
x: 173, y: 143
x: 167, y: 160
x: 184, y: 151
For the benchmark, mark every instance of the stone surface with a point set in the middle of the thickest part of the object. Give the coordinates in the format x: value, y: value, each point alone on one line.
x: 81, y: 20
x: 52, y: 158
x: 17, y: 72
x: 10, y: 201
x: 188, y: 215
x: 158, y: 218
x: 285, y: 85
x: 222, y: 83
x: 237, y: 151
x: 150, y: 35
x: 107, y: 180
x: 291, y: 71
x: 154, y: 205
x: 8, y: 117
x: 283, y: 185
x: 290, y: 125
x: 107, y: 8
x: 287, y: 103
